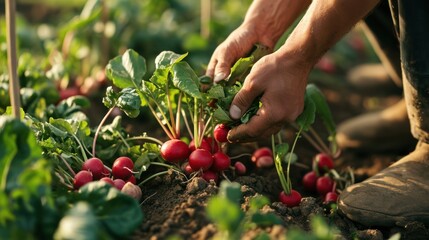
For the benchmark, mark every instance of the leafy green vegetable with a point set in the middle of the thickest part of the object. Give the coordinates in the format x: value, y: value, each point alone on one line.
x: 127, y: 70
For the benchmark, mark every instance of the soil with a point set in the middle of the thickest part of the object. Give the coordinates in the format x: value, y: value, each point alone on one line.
x: 174, y: 207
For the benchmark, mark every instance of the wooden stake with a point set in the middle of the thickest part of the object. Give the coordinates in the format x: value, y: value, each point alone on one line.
x: 14, y: 87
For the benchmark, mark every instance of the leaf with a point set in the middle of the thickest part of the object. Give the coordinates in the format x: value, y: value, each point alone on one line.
x: 111, y: 97
x: 167, y: 58
x: 240, y: 69
x: 185, y: 79
x: 160, y: 77
x: 281, y: 150
x: 225, y: 214
x: 265, y: 219
x: 129, y: 102
x: 119, y: 213
x: 78, y: 223
x: 306, y: 118
x: 322, y: 107
x: 216, y: 92
x: 230, y: 191
x: 258, y: 202
x: 126, y: 70
x: 221, y: 116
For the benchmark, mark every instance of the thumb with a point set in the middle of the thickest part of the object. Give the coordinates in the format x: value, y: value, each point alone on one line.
x: 242, y: 101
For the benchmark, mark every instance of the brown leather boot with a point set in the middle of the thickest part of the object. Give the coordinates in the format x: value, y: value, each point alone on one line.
x: 397, y: 195
x: 376, y: 132
x: 372, y: 80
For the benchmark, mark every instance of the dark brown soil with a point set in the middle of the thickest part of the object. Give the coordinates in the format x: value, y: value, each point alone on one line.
x: 174, y: 207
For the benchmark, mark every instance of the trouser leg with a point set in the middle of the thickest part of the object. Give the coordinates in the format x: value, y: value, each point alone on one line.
x: 413, y: 21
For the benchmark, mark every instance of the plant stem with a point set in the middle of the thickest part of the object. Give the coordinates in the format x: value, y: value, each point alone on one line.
x: 187, y: 124
x: 152, y: 177
x: 67, y: 165
x: 290, y: 157
x: 94, y: 142
x: 12, y: 59
x: 279, y: 168
x: 82, y: 149
x: 196, y: 123
x: 312, y: 142
x: 170, y: 111
x: 320, y: 141
x: 178, y: 110
x: 151, y: 139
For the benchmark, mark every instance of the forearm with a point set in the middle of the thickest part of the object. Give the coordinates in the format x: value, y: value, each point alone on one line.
x: 270, y: 19
x: 324, y: 23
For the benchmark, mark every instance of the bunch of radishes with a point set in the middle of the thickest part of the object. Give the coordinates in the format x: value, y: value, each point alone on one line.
x: 319, y: 179
x: 205, y: 158
x: 120, y: 176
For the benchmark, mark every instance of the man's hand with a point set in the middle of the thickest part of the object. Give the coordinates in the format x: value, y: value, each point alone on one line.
x: 281, y: 84
x: 238, y: 44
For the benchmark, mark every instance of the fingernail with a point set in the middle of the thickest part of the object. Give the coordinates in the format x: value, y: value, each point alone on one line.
x: 219, y: 77
x: 235, y: 112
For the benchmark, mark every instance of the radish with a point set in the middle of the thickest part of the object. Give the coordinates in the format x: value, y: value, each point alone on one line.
x: 220, y: 133
x: 261, y: 152
x: 210, y: 175
x: 95, y: 166
x: 131, y: 179
x: 264, y: 162
x: 187, y: 169
x: 324, y: 162
x: 324, y: 185
x: 81, y: 178
x: 122, y: 168
x: 132, y: 190
x: 200, y: 159
x: 240, y: 168
x: 291, y: 200
x: 309, y: 181
x: 221, y: 161
x: 214, y: 147
x: 174, y: 151
x: 204, y: 145
x: 119, y: 183
x: 331, y: 197
x: 108, y: 180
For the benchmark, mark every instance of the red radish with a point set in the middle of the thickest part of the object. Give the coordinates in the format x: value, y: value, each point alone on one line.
x: 240, y: 168
x: 331, y: 197
x: 324, y: 162
x: 131, y: 179
x: 122, y: 168
x: 108, y: 180
x: 264, y: 161
x: 106, y: 172
x: 204, y: 145
x: 220, y: 133
x: 200, y: 159
x: 119, y: 183
x: 221, y: 161
x: 174, y: 151
x: 210, y: 175
x: 324, y: 185
x: 132, y: 190
x: 214, y: 147
x: 187, y: 169
x: 291, y: 200
x: 95, y: 166
x: 81, y: 178
x: 309, y: 181
x: 261, y: 152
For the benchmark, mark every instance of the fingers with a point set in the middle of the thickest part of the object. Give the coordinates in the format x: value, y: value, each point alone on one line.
x: 220, y: 64
x: 244, y: 98
x: 259, y: 126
